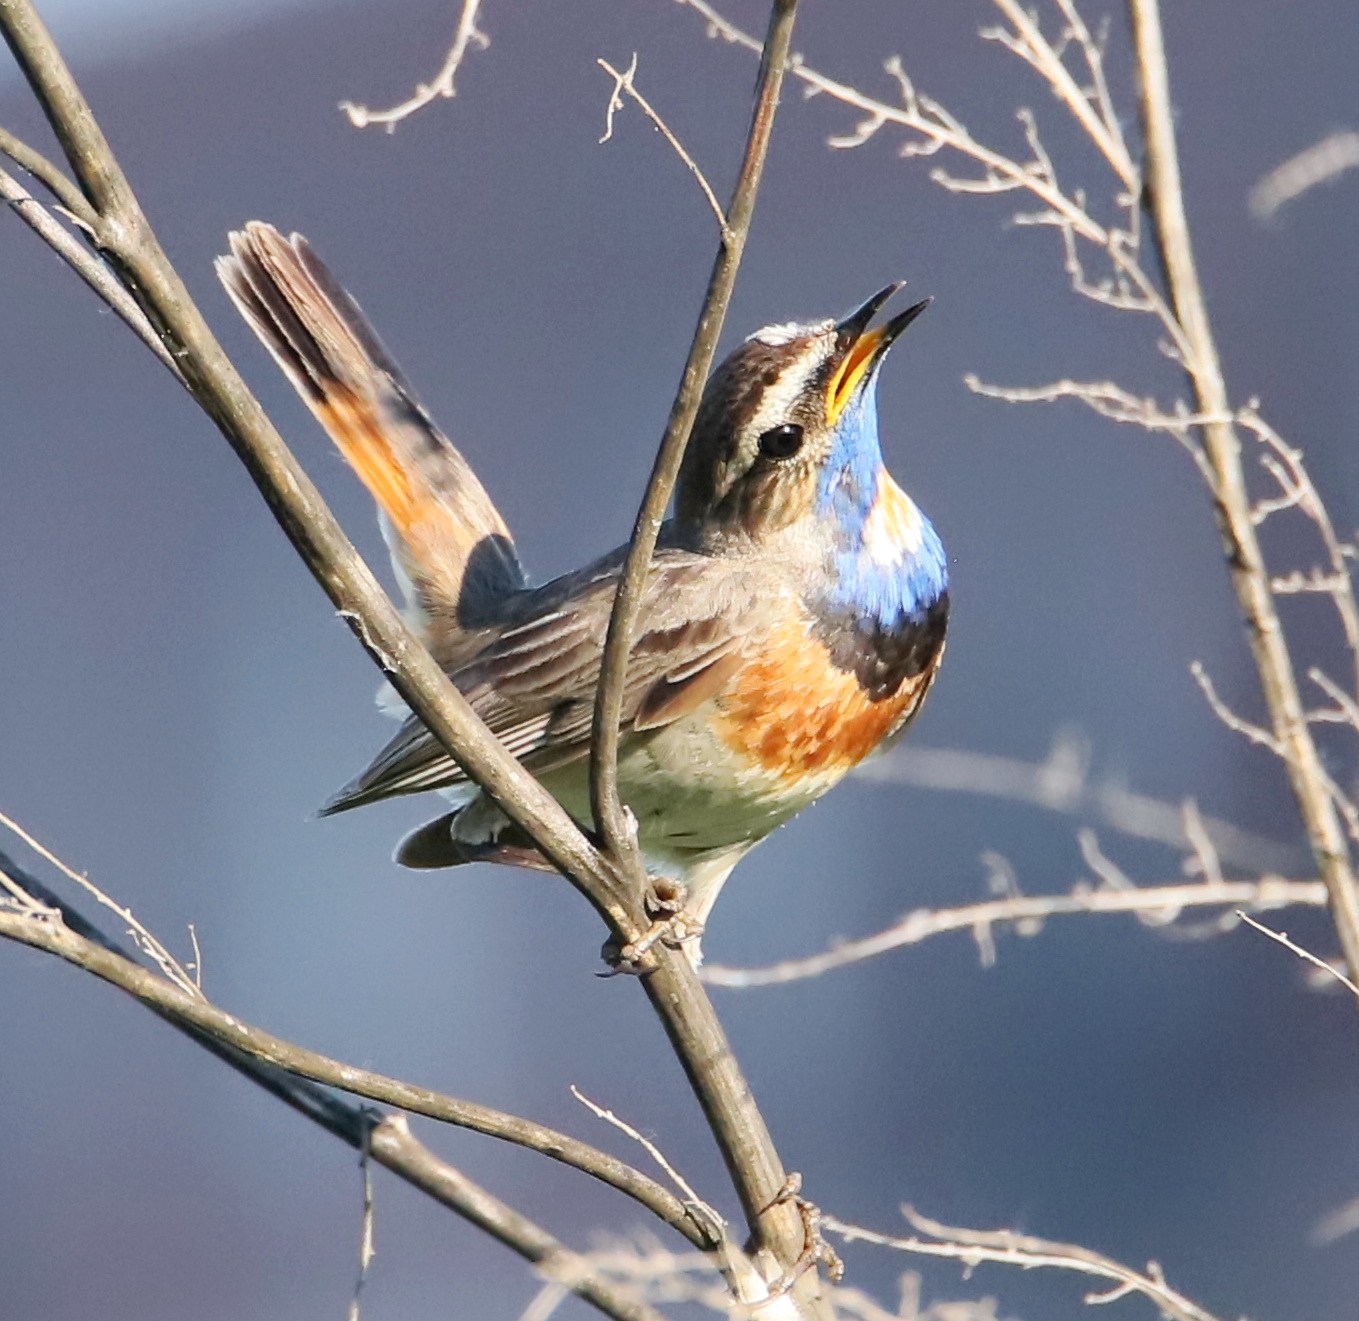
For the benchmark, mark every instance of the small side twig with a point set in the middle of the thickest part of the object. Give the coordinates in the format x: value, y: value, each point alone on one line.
x: 465, y: 37
x: 35, y: 163
x: 366, y: 1248
x: 623, y: 83
x: 1315, y: 960
x: 1004, y: 1246
x: 647, y: 1145
x: 1322, y: 162
x: 1063, y: 782
x: 1026, y: 913
x: 85, y: 264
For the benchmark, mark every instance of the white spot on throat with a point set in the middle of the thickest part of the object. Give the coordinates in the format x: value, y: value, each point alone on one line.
x: 892, y: 531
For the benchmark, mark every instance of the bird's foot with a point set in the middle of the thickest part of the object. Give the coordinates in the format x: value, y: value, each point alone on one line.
x: 670, y: 925
x: 815, y: 1250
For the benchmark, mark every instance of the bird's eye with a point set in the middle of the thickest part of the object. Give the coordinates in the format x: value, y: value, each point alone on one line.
x: 781, y: 442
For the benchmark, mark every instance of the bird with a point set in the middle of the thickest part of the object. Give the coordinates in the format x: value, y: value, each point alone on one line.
x: 792, y: 622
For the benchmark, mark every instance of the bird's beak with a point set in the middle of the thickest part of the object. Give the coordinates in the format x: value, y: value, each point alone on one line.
x: 864, y: 349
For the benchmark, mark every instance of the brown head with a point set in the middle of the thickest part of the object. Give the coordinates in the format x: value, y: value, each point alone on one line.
x: 783, y: 411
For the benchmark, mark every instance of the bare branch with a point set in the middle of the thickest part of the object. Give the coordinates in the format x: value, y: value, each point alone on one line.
x: 124, y: 233
x: 1291, y: 736
x: 651, y: 1150
x: 465, y: 37
x: 1322, y: 162
x: 1282, y: 937
x: 1093, y: 111
x: 1026, y: 914
x: 935, y: 129
x: 1237, y: 724
x: 394, y: 1145
x: 1286, y: 462
x: 1004, y: 1246
x: 1063, y: 783
x: 609, y: 816
x: 615, y: 891
x: 187, y: 1007
x: 36, y: 164
x: 674, y: 991
x: 366, y: 1247
x: 169, y: 966
x: 85, y: 264
x: 387, y: 1139
x: 1337, y: 1224
x: 623, y: 82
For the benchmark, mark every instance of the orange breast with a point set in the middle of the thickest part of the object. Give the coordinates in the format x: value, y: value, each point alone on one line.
x: 791, y: 711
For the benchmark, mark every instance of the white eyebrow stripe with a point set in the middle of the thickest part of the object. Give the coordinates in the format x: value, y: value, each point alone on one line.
x: 785, y: 332
x: 779, y: 399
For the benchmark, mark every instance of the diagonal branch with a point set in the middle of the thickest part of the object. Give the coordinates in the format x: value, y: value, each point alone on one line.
x: 42, y: 920
x: 85, y: 264
x: 123, y: 233
x: 36, y: 164
x: 82, y: 944
x: 623, y: 82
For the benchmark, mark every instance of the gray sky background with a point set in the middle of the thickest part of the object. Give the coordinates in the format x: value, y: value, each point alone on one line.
x: 179, y: 697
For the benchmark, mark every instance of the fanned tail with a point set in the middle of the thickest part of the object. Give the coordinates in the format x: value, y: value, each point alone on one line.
x: 449, y: 543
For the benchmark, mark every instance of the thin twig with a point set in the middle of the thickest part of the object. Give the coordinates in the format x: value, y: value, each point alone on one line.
x: 646, y: 1144
x: 394, y: 1145
x: 366, y: 1248
x: 1322, y: 162
x: 1063, y: 783
x: 610, y: 818
x: 674, y: 991
x: 623, y: 82
x: 1026, y: 913
x: 466, y: 35
x: 1250, y: 577
x: 36, y: 164
x: 387, y: 1139
x: 149, y: 945
x: 974, y: 1246
x: 184, y: 1007
x: 1282, y: 937
x: 85, y: 264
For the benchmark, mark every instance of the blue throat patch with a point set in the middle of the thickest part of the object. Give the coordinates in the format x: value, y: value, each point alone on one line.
x: 890, y: 596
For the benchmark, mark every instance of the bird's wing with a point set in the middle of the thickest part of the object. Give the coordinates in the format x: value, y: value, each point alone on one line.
x: 534, y: 684
x: 449, y: 543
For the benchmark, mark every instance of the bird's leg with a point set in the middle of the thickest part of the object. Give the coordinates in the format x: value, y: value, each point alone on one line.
x: 664, y: 900
x: 815, y: 1250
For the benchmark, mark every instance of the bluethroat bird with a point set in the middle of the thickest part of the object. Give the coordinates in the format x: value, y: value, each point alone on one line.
x: 792, y: 623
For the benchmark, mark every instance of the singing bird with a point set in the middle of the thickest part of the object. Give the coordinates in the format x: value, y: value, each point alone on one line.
x: 792, y: 622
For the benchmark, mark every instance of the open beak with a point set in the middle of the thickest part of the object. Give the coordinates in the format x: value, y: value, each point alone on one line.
x: 864, y: 349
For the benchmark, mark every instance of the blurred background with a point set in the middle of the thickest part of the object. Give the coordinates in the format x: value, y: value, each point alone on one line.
x: 179, y: 698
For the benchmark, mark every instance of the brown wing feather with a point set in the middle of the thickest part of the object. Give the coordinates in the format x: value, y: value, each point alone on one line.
x: 534, y: 683
x: 451, y: 543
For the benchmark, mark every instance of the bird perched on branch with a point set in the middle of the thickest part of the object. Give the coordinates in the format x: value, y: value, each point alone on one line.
x: 792, y: 622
